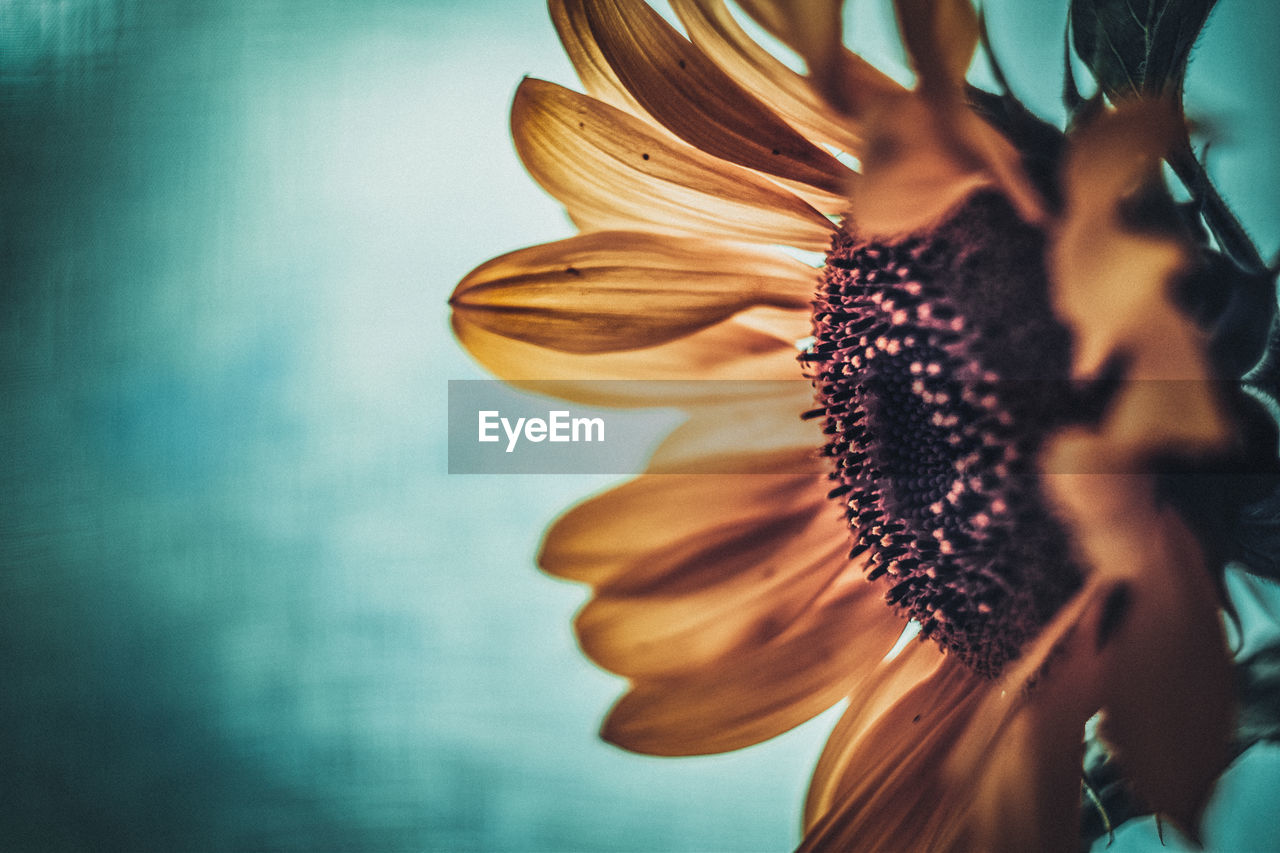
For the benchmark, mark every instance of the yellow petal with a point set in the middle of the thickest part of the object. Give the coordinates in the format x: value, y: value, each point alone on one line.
x: 788, y: 325
x: 612, y: 171
x: 745, y: 698
x: 666, y: 374
x: 689, y: 94
x: 927, y: 151
x: 609, y: 291
x: 960, y: 763
x: 1019, y: 760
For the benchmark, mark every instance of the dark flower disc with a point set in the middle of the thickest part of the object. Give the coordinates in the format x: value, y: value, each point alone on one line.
x: 940, y: 370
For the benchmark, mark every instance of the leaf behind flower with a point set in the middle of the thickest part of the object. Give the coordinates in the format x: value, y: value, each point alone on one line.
x: 1137, y: 47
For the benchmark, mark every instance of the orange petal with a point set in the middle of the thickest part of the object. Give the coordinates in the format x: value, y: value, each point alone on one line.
x: 891, y: 795
x: 941, y: 37
x: 685, y: 608
x: 788, y: 325
x: 928, y: 151
x: 666, y: 374
x: 712, y: 27
x: 1110, y: 281
x: 766, y: 689
x: 1114, y: 288
x: 924, y: 157
x: 891, y: 680
x: 814, y: 29
x: 1019, y: 760
x: 960, y: 763
x: 689, y: 94
x: 600, y: 80
x: 1170, y: 642
x: 763, y: 434
x: 613, y: 171
x: 611, y: 537
x: 912, y: 176
x: 609, y: 291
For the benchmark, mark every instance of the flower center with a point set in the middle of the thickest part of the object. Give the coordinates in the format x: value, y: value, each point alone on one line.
x: 940, y: 369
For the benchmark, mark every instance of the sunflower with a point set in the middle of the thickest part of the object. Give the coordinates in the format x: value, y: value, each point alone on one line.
x: 1006, y: 411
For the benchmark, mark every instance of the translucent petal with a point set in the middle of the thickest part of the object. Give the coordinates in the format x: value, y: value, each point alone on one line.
x: 689, y: 94
x: 609, y: 291
x: 747, y: 697
x: 941, y: 37
x: 609, y: 538
x: 712, y: 27
x: 666, y: 374
x: 612, y: 171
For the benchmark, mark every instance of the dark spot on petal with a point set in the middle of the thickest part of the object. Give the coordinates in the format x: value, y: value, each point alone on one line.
x: 916, y: 718
x: 775, y: 152
x: 682, y: 63
x: 573, y: 271
x: 645, y: 156
x: 1114, y: 610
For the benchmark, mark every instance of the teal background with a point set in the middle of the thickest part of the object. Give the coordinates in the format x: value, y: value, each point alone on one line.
x: 244, y: 605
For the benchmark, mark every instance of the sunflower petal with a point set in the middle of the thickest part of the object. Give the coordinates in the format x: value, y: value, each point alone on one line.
x: 1112, y: 282
x: 1114, y: 288
x: 1167, y: 680
x: 613, y: 171
x: 912, y: 176
x: 712, y: 27
x: 891, y: 795
x: 611, y: 537
x: 753, y: 695
x: 666, y: 374
x: 1020, y: 758
x: 786, y: 324
x: 928, y: 150
x: 609, y: 290
x: 726, y: 597
x: 598, y: 78
x: 814, y: 29
x: 757, y: 435
x: 689, y: 94
x: 891, y: 680
x: 960, y: 763
x: 924, y: 157
x: 941, y: 37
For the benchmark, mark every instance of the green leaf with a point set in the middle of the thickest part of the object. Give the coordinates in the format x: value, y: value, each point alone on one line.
x: 1258, y: 682
x: 1107, y: 798
x: 1137, y: 47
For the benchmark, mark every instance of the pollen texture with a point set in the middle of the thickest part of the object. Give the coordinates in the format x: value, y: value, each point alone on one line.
x: 940, y: 370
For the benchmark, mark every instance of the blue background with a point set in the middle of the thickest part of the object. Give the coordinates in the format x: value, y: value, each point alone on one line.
x: 244, y: 605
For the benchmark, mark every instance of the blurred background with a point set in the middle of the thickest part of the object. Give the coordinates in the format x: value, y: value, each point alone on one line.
x: 244, y: 607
